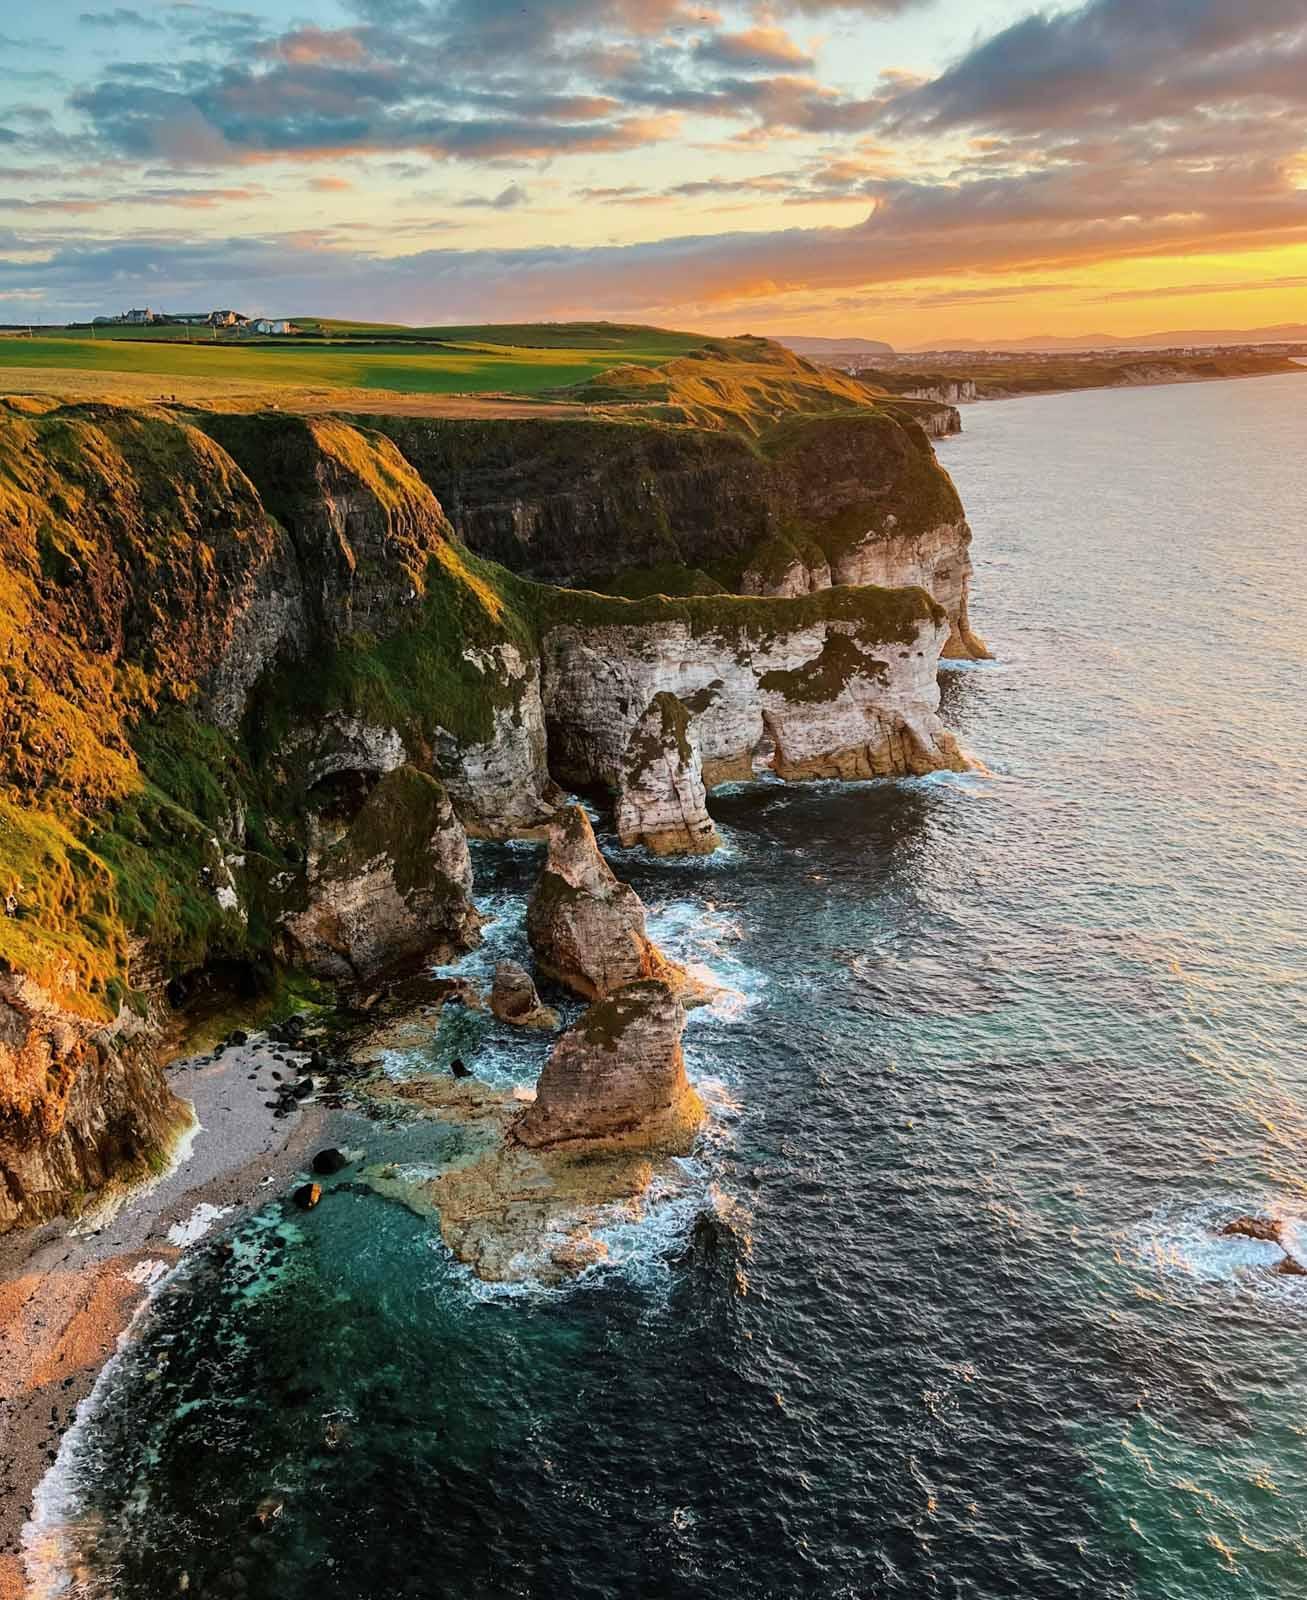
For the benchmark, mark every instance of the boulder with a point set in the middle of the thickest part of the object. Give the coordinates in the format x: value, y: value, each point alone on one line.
x: 393, y: 893
x: 514, y: 999
x: 587, y: 928
x: 307, y: 1196
x: 616, y: 1081
x: 1266, y: 1229
x: 662, y: 803
x: 328, y: 1162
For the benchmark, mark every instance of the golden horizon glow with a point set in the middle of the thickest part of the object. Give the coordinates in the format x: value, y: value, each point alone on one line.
x: 890, y: 169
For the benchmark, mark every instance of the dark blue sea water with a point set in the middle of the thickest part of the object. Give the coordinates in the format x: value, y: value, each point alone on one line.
x: 939, y: 1312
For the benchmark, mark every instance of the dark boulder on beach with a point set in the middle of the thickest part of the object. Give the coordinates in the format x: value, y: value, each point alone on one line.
x: 328, y: 1162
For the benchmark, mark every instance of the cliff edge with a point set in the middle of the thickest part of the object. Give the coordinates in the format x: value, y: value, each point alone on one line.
x: 254, y: 694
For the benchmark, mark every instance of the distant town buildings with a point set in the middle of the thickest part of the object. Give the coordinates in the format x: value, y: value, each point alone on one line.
x: 227, y: 320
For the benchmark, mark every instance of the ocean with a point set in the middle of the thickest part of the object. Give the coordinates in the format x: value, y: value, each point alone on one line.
x: 940, y: 1309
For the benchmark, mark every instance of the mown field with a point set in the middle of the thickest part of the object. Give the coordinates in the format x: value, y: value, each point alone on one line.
x: 358, y: 356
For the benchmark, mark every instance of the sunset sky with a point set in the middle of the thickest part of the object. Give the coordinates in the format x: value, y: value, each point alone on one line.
x: 914, y: 170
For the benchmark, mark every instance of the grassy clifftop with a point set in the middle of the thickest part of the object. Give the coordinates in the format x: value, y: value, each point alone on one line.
x: 155, y: 573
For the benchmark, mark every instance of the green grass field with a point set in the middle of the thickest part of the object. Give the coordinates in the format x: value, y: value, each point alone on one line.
x: 513, y: 359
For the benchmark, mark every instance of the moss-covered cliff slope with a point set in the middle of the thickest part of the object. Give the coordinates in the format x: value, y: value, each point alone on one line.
x: 253, y: 691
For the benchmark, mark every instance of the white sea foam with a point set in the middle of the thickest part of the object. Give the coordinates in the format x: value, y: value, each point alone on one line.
x: 197, y: 1224
x: 146, y: 1272
x: 48, y: 1535
x: 950, y: 664
x: 102, y: 1211
x: 708, y: 940
x: 1184, y: 1244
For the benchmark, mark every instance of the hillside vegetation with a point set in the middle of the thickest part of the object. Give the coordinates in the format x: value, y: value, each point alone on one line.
x: 148, y: 583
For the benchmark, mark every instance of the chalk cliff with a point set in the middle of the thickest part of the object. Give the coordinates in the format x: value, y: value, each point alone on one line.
x: 847, y: 689
x: 647, y: 509
x: 253, y: 693
x: 661, y: 800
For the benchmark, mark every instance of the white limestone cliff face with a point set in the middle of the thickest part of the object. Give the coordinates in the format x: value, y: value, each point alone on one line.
x: 501, y: 787
x: 828, y: 703
x: 942, y: 422
x: 393, y: 892
x: 950, y: 392
x: 937, y: 560
x: 662, y: 803
x: 783, y: 571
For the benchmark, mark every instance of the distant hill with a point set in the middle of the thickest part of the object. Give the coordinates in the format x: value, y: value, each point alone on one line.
x: 804, y: 346
x: 1202, y: 338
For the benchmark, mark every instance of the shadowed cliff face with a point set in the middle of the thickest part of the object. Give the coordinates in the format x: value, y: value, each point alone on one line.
x: 809, y: 502
x: 229, y: 647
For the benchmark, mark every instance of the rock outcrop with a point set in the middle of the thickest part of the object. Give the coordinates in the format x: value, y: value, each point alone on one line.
x: 238, y: 661
x: 587, y: 928
x: 616, y: 1081
x: 83, y: 1100
x: 513, y: 998
x: 661, y: 801
x: 936, y: 559
x: 811, y: 503
x: 393, y: 892
x: 848, y: 688
x: 1266, y: 1230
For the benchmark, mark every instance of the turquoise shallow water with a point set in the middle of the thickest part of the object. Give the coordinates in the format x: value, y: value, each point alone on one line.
x: 940, y: 1310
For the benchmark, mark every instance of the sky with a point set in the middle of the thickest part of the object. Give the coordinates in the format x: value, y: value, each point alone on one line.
x: 913, y: 170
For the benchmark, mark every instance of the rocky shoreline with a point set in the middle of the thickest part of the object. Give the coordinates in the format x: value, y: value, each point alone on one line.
x: 279, y: 768
x: 546, y: 1169
x: 70, y: 1289
x: 259, y: 692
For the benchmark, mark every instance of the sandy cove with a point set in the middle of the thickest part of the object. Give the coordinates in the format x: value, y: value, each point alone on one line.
x: 68, y: 1289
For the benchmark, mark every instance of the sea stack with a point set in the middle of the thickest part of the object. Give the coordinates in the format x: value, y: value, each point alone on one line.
x: 616, y: 1081
x: 587, y: 928
x: 662, y: 803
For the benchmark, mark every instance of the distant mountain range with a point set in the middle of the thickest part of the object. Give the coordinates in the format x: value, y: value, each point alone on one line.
x: 1285, y: 333
x: 803, y: 346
